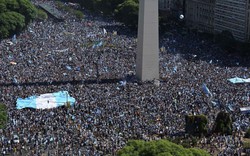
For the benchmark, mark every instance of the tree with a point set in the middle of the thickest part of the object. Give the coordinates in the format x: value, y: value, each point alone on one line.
x: 158, y: 148
x: 127, y: 12
x: 11, y: 22
x: 41, y: 15
x: 223, y: 123
x: 11, y: 5
x: 78, y: 14
x: 14, y: 15
x: 3, y: 7
x: 196, y: 124
x: 27, y: 9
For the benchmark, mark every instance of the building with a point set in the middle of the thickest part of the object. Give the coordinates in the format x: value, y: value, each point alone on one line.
x: 215, y: 16
x: 232, y: 15
x: 199, y: 14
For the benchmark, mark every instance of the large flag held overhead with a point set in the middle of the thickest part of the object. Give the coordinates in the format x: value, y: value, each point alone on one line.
x: 239, y: 80
x: 46, y: 101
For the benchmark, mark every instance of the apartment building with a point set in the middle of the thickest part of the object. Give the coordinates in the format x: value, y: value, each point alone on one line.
x: 215, y: 16
x: 232, y: 15
x: 199, y: 14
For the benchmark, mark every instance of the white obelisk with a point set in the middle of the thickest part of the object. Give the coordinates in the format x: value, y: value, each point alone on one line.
x: 147, y: 58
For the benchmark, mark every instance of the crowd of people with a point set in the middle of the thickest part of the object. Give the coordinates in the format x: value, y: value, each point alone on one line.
x: 92, y: 58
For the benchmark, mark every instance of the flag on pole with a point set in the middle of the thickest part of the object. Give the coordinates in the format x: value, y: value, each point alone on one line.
x: 104, y: 31
x: 14, y: 38
x: 97, y: 44
x: 206, y: 90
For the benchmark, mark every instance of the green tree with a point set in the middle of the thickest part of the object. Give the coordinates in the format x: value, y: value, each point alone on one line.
x: 4, y: 32
x: 127, y: 12
x: 41, y: 15
x: 78, y: 14
x: 196, y: 124
x: 158, y: 148
x: 14, y: 15
x: 11, y: 22
x: 3, y: 7
x: 27, y: 9
x: 11, y: 5
x: 223, y: 123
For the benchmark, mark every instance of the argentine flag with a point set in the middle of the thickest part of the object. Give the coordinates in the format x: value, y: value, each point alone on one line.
x: 46, y: 101
x: 239, y: 80
x: 206, y: 90
x: 97, y: 44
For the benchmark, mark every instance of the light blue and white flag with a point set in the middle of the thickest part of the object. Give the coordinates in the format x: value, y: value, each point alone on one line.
x: 175, y: 69
x: 123, y: 83
x: 206, y: 90
x: 97, y: 44
x: 239, y: 80
x: 14, y: 38
x: 46, y: 101
x: 104, y: 31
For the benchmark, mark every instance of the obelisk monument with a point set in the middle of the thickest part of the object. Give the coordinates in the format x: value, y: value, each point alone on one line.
x: 147, y: 57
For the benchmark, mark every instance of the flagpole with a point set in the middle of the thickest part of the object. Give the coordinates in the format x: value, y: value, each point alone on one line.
x: 67, y: 97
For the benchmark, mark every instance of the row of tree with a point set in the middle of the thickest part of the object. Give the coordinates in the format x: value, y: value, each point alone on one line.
x: 15, y: 15
x: 197, y: 124
x: 125, y: 11
x: 158, y: 148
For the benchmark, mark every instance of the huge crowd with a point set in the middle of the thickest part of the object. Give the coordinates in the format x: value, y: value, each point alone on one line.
x: 89, y: 58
